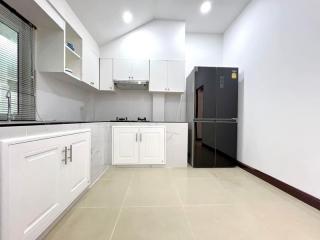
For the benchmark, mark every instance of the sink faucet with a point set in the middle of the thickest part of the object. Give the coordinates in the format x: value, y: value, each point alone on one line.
x: 9, y: 115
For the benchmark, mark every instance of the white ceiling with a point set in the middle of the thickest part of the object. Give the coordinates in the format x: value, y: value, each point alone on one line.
x: 103, y: 18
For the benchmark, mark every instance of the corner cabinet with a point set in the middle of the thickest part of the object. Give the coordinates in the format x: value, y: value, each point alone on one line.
x: 167, y: 76
x: 41, y: 176
x: 133, y: 145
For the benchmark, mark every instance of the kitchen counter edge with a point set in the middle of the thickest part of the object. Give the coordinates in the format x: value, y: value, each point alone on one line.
x: 34, y: 123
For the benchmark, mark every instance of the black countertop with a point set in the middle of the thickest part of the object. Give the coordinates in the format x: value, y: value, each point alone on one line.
x: 31, y: 123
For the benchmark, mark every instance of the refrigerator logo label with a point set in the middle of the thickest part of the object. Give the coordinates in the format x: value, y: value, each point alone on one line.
x: 234, y: 76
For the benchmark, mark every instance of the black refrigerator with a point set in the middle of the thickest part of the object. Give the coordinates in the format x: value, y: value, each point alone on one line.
x: 212, y: 110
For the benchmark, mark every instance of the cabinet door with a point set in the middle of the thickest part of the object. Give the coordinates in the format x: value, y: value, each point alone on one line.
x: 176, y: 76
x: 122, y: 69
x: 140, y: 70
x: 32, y: 202
x: 125, y: 145
x: 90, y: 67
x: 152, y: 145
x: 158, y: 76
x: 106, y: 81
x: 78, y: 164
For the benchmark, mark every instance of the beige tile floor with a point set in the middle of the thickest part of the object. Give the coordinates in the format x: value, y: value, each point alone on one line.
x: 182, y: 204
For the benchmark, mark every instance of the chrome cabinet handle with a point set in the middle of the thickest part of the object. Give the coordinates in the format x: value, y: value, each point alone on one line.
x: 70, y: 156
x: 65, y: 160
x: 140, y: 137
x: 136, y: 137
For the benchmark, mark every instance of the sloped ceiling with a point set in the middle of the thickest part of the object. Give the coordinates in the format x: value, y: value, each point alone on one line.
x: 103, y: 18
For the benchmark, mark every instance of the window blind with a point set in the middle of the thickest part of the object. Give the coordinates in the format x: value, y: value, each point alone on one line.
x: 16, y: 66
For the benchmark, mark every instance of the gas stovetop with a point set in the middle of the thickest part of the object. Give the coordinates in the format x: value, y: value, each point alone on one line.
x: 125, y: 119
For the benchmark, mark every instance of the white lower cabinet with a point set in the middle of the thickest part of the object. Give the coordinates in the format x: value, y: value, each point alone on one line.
x: 125, y: 145
x: 138, y: 145
x: 40, y: 177
x: 152, y: 145
x: 77, y: 170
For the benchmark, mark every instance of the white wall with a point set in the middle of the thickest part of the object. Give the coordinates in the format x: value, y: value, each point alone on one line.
x: 123, y: 103
x: 60, y: 100
x: 158, y: 39
x: 203, y: 50
x: 276, y: 45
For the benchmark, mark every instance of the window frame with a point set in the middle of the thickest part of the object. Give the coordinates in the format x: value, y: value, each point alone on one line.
x: 23, y: 114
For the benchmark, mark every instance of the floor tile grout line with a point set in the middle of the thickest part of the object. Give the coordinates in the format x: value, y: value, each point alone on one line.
x: 184, y: 212
x: 121, y: 208
x: 152, y: 206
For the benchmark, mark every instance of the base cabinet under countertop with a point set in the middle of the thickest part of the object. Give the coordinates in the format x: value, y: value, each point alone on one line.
x: 40, y: 177
x: 143, y: 145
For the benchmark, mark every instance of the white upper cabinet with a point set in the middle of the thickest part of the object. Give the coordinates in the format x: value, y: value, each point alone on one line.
x: 140, y: 70
x: 130, y: 70
x: 60, y: 40
x: 39, y: 12
x: 59, y: 51
x: 106, y: 81
x: 73, y: 53
x: 90, y: 66
x: 176, y: 76
x: 158, y: 76
x: 167, y: 76
x: 121, y: 69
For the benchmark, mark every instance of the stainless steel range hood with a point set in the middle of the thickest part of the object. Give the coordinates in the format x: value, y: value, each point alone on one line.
x: 131, y: 85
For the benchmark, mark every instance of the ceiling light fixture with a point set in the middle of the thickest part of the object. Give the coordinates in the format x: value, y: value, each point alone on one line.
x: 205, y: 7
x: 127, y: 17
